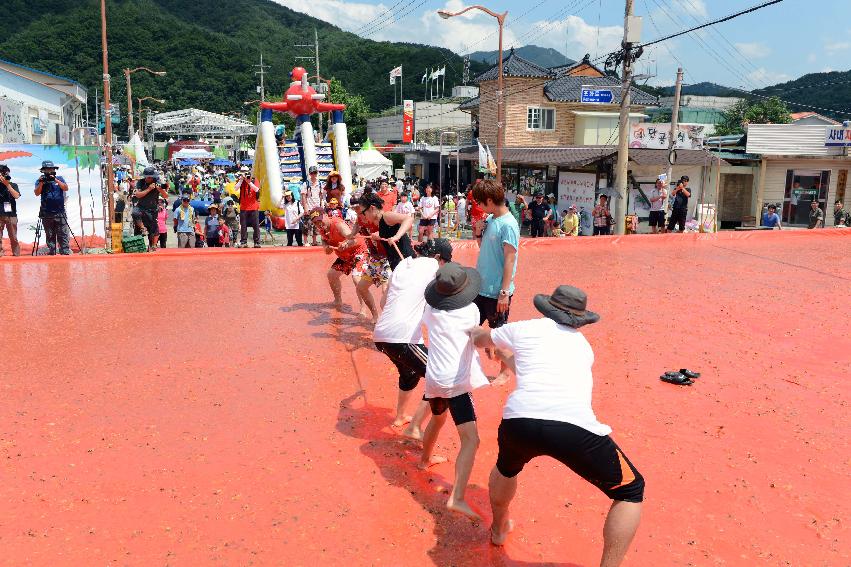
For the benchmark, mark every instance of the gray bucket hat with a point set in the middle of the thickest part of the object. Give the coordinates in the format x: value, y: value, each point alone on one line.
x: 566, y: 306
x: 454, y: 286
x: 48, y: 165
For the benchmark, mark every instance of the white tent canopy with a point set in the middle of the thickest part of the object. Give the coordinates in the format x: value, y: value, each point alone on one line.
x: 368, y: 163
x: 194, y: 122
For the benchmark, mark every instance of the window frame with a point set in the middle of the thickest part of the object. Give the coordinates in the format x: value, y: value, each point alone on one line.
x: 529, y: 113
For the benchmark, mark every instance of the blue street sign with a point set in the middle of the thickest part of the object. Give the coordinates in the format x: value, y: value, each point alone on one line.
x: 597, y: 96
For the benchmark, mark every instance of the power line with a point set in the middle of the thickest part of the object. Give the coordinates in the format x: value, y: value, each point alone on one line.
x: 713, y: 22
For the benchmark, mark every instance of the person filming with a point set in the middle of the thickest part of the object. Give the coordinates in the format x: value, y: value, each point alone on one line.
x: 52, y: 189
x: 9, y: 193
x: 149, y: 189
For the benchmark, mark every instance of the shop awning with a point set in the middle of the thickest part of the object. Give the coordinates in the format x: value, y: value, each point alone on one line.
x: 564, y: 157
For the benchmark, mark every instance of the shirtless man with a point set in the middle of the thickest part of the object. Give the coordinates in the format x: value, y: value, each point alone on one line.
x: 351, y: 255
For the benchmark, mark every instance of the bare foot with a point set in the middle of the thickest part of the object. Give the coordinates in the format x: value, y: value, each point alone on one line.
x: 462, y: 507
x: 414, y: 433
x: 500, y: 379
x: 498, y: 537
x: 400, y: 421
x: 434, y: 460
x: 337, y: 305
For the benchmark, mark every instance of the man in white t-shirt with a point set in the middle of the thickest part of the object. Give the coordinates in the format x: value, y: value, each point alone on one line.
x: 398, y: 332
x: 657, y: 207
x: 453, y: 371
x: 549, y: 413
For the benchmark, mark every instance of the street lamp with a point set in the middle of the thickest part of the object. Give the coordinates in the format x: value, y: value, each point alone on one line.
x: 139, y: 102
x: 127, y: 73
x: 445, y: 14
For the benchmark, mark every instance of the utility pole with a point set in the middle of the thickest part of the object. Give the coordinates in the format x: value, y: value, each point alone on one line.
x: 110, y: 175
x: 262, y: 72
x: 623, y: 126
x: 675, y: 121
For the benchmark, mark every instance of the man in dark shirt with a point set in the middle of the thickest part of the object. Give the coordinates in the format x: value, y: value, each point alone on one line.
x: 541, y: 211
x: 840, y: 216
x: 8, y: 210
x: 681, y: 193
x: 52, y: 189
x: 148, y: 191
x: 816, y: 216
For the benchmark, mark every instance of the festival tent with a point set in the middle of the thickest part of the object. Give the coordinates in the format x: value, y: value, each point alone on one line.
x: 222, y: 162
x: 369, y: 163
x: 190, y: 153
x: 135, y: 150
x: 187, y: 162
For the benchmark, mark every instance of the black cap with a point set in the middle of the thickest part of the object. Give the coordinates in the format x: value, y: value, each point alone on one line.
x: 313, y: 169
x: 436, y: 247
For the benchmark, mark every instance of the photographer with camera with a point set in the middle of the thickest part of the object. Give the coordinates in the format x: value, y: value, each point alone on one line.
x: 52, y: 189
x: 149, y: 189
x: 249, y: 207
x: 8, y: 210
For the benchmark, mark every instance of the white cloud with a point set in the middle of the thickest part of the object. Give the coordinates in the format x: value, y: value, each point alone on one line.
x: 834, y: 46
x: 695, y: 7
x: 350, y: 16
x: 754, y: 50
x: 763, y: 76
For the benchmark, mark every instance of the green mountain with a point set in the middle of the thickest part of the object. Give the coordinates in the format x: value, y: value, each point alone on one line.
x: 208, y: 48
x: 830, y: 92
x: 543, y: 56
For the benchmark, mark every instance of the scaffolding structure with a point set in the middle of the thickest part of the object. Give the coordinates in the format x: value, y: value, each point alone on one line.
x: 194, y: 122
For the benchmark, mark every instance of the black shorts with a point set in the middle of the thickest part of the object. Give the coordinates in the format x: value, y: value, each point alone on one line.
x: 488, y: 312
x: 410, y: 361
x: 428, y: 222
x: 148, y: 220
x: 460, y: 407
x: 657, y: 218
x: 596, y: 458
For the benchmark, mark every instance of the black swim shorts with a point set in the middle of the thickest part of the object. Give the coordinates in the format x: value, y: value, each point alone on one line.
x: 460, y: 407
x: 410, y: 361
x: 596, y: 458
x: 488, y: 312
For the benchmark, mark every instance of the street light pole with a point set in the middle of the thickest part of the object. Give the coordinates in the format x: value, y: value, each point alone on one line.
x: 127, y: 73
x: 500, y: 110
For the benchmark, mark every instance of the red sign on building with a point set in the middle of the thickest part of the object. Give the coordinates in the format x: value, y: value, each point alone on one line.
x: 408, y: 122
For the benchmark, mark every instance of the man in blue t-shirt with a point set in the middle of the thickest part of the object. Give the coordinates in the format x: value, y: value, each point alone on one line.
x: 499, y: 240
x: 770, y: 219
x: 52, y: 189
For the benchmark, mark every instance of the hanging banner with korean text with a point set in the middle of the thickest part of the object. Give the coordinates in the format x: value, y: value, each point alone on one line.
x: 576, y: 189
x: 12, y: 122
x: 656, y: 136
x: 407, y: 121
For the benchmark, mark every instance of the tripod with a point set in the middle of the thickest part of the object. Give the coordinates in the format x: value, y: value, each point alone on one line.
x: 39, y: 228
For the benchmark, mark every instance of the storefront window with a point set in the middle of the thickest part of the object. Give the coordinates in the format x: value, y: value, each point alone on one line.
x: 533, y: 180
x: 802, y: 187
x: 510, y: 178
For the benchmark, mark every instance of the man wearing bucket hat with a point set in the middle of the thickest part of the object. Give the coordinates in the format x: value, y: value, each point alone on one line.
x: 550, y: 413
x: 211, y: 226
x: 148, y: 191
x: 453, y: 371
x: 52, y: 189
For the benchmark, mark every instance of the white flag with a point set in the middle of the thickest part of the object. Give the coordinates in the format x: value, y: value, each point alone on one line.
x: 425, y: 76
x: 483, y: 157
x: 441, y: 72
x: 397, y: 72
x: 435, y: 75
x: 392, y: 79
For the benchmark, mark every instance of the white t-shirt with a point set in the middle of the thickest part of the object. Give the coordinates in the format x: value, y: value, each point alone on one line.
x: 461, y: 207
x: 545, y: 389
x: 291, y: 215
x: 655, y: 194
x: 404, y: 208
x: 429, y: 206
x: 401, y: 320
x: 453, y: 365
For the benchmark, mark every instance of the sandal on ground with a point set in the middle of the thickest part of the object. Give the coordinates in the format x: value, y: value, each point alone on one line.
x: 689, y: 373
x: 676, y: 378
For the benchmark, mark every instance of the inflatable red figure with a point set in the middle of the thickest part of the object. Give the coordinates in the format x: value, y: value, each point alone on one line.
x: 301, y: 98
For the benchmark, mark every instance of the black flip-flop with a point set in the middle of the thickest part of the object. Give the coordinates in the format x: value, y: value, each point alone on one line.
x: 676, y: 378
x: 689, y: 374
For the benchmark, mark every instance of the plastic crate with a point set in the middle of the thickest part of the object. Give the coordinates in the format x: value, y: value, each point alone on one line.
x: 116, y: 237
x: 133, y: 244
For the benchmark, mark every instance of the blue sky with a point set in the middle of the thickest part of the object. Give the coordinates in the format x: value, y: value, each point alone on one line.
x: 775, y: 44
